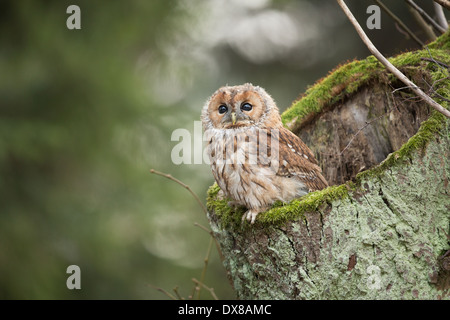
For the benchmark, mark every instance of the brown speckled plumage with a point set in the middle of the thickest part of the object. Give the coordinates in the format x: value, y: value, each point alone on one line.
x: 254, y: 159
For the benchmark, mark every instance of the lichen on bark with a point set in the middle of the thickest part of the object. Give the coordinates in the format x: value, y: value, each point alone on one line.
x: 392, y: 227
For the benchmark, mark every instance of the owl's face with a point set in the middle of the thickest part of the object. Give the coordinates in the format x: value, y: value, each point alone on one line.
x: 240, y: 106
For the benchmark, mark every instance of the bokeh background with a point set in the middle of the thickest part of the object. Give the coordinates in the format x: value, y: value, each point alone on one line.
x: 85, y: 114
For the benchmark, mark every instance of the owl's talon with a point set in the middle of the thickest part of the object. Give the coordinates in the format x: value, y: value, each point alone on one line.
x: 250, y: 216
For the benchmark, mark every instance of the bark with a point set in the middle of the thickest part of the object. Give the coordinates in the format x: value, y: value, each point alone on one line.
x: 387, y: 237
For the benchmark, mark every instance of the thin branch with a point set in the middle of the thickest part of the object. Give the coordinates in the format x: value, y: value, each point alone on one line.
x: 177, y: 293
x: 399, y: 22
x: 434, y: 91
x: 423, y: 24
x: 445, y: 68
x: 168, y: 176
x: 211, y: 290
x: 440, y: 15
x: 205, y: 266
x: 444, y: 3
x: 437, y: 62
x: 195, y: 288
x: 402, y: 88
x: 389, y: 66
x: 425, y: 16
x: 212, y: 235
x: 203, y: 228
x: 163, y: 291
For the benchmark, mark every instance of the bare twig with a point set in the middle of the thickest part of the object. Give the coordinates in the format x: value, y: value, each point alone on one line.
x: 212, y: 235
x: 177, y: 293
x: 425, y: 16
x: 168, y: 176
x: 434, y: 91
x: 444, y: 3
x: 163, y: 291
x: 399, y: 22
x: 203, y: 228
x: 401, y: 88
x: 445, y: 68
x: 437, y: 62
x: 389, y: 66
x: 440, y: 15
x: 196, y: 288
x: 205, y: 266
x: 423, y: 24
x: 211, y: 290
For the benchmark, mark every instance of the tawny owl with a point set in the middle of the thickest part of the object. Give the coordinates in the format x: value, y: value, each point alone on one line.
x: 254, y: 159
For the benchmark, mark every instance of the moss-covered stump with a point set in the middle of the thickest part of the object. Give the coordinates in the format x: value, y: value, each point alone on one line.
x: 384, y: 233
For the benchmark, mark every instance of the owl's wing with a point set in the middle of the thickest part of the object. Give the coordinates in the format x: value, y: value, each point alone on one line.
x: 297, y: 160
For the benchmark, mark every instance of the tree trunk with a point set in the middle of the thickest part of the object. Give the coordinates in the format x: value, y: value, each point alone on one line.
x: 381, y: 230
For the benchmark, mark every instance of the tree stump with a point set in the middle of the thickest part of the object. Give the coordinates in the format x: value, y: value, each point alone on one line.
x: 381, y: 230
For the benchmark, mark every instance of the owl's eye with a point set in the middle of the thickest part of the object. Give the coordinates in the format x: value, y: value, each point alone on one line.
x: 246, y: 107
x: 222, y: 109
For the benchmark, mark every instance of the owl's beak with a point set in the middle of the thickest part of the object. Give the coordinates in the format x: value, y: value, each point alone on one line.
x: 233, y: 118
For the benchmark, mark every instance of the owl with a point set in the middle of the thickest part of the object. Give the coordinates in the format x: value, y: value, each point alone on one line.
x: 254, y: 159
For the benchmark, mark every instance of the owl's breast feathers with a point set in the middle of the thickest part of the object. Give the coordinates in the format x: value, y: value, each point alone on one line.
x: 256, y: 167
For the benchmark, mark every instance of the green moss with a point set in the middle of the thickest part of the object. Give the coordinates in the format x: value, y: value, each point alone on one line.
x: 296, y: 209
x: 344, y: 80
x: 443, y: 42
x: 348, y: 78
x: 227, y: 214
x: 280, y: 212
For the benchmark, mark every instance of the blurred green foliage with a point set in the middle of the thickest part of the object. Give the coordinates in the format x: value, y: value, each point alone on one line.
x: 85, y: 114
x: 66, y: 185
